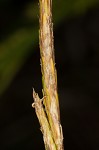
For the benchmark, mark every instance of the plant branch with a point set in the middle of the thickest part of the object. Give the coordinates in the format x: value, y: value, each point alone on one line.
x: 49, y: 76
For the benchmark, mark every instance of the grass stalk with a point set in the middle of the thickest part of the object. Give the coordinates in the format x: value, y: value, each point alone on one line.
x: 50, y: 106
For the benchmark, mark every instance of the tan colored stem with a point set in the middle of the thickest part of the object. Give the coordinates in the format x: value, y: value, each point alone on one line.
x: 48, y: 140
x: 49, y: 76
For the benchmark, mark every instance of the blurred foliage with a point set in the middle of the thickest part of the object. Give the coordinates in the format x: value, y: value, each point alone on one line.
x: 19, y: 34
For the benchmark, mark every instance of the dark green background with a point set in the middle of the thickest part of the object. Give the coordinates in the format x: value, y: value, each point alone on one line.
x: 76, y: 36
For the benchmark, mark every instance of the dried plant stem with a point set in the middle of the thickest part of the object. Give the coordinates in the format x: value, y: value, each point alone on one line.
x: 49, y: 78
x: 45, y: 128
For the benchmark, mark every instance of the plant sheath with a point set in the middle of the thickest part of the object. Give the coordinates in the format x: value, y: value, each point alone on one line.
x: 49, y: 76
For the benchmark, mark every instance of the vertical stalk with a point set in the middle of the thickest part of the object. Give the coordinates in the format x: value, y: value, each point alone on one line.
x: 49, y: 76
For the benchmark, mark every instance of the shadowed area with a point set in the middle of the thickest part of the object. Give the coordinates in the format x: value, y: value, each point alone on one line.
x: 76, y: 35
